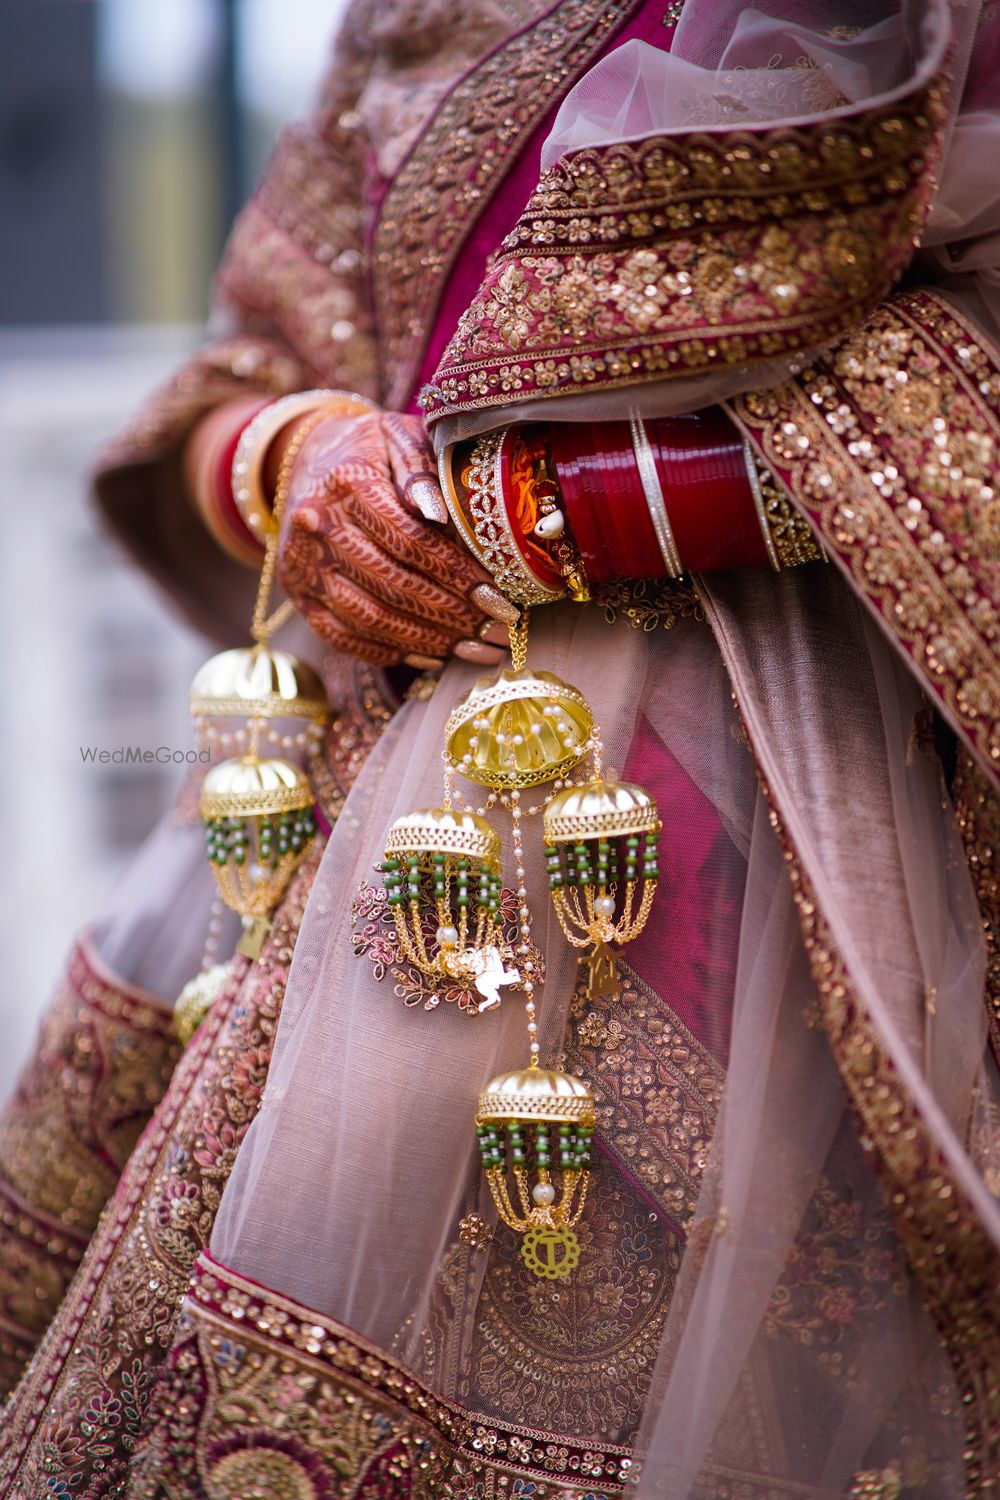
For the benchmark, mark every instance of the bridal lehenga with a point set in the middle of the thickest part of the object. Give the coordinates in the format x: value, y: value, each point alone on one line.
x: 273, y: 1264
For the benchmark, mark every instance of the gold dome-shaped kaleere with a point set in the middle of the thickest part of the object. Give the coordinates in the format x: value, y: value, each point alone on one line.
x: 272, y: 694
x: 602, y: 859
x: 257, y: 810
x: 259, y: 823
x: 258, y: 681
x: 443, y: 884
x: 518, y: 729
x: 518, y: 1115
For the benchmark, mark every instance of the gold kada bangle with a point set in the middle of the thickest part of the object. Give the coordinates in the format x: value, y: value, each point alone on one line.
x: 485, y: 526
x: 251, y: 450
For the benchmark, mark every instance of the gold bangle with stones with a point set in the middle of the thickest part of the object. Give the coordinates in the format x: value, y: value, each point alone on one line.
x: 257, y: 437
x: 483, y: 523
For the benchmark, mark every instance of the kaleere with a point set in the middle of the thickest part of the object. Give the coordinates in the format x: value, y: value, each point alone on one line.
x: 513, y: 732
x: 257, y: 809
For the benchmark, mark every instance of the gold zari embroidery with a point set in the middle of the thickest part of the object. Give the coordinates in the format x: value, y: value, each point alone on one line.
x: 891, y: 444
x: 679, y: 255
x: 457, y: 165
x: 104, y: 1059
x: 949, y: 1252
x: 977, y: 811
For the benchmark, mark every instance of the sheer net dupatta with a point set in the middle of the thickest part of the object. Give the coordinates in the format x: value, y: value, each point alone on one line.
x: 781, y: 1336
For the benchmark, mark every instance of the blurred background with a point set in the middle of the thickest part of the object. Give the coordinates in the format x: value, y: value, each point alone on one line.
x: 130, y: 132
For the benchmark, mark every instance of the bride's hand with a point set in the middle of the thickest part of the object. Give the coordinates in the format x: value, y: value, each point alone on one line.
x: 368, y: 556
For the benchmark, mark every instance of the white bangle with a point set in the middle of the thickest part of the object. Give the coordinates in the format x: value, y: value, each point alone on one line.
x: 653, y: 491
x: 257, y: 437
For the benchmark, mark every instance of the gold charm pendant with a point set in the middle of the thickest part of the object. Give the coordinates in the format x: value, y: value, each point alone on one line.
x: 535, y: 1127
x: 601, y: 850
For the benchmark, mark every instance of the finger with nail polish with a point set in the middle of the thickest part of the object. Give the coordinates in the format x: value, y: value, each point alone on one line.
x: 424, y: 663
x: 494, y: 633
x: 479, y: 652
x: 492, y: 602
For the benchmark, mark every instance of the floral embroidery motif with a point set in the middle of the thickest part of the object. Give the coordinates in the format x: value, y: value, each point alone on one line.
x: 258, y: 1387
x: 375, y: 938
x: 103, y: 1061
x: 658, y: 1089
x: 891, y: 444
x: 839, y: 1270
x: 578, y: 1357
x: 678, y: 255
x: 648, y: 604
x: 456, y: 166
x: 474, y: 1231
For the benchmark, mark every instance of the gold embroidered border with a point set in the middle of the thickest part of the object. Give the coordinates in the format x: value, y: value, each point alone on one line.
x: 295, y: 260
x: 103, y: 1061
x: 458, y: 162
x: 262, y: 1395
x: 658, y: 1089
x: 890, y: 443
x: 679, y: 255
x: 977, y: 811
x: 953, y: 1259
x: 251, y: 1366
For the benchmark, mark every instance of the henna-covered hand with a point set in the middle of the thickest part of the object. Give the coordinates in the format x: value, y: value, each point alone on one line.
x: 367, y: 554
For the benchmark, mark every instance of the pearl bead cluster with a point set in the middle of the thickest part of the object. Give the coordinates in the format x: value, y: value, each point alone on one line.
x: 210, y: 736
x: 211, y: 949
x: 526, y: 962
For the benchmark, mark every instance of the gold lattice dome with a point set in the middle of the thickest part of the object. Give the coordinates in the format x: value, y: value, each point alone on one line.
x: 256, y: 680
x: 518, y: 729
x: 251, y: 788
x: 442, y: 829
x: 605, y: 809
x: 537, y: 1094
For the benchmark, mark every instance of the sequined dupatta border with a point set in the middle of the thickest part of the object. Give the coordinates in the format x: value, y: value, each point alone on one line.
x: 611, y: 1042
x: 940, y: 1210
x: 678, y: 256
x: 466, y: 150
x: 890, y: 444
x: 977, y: 811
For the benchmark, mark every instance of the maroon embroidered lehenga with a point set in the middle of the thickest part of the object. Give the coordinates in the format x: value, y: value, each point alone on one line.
x: 788, y: 1285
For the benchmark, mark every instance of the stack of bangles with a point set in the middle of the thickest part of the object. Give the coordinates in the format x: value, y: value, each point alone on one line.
x: 553, y: 510
x: 229, y: 486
